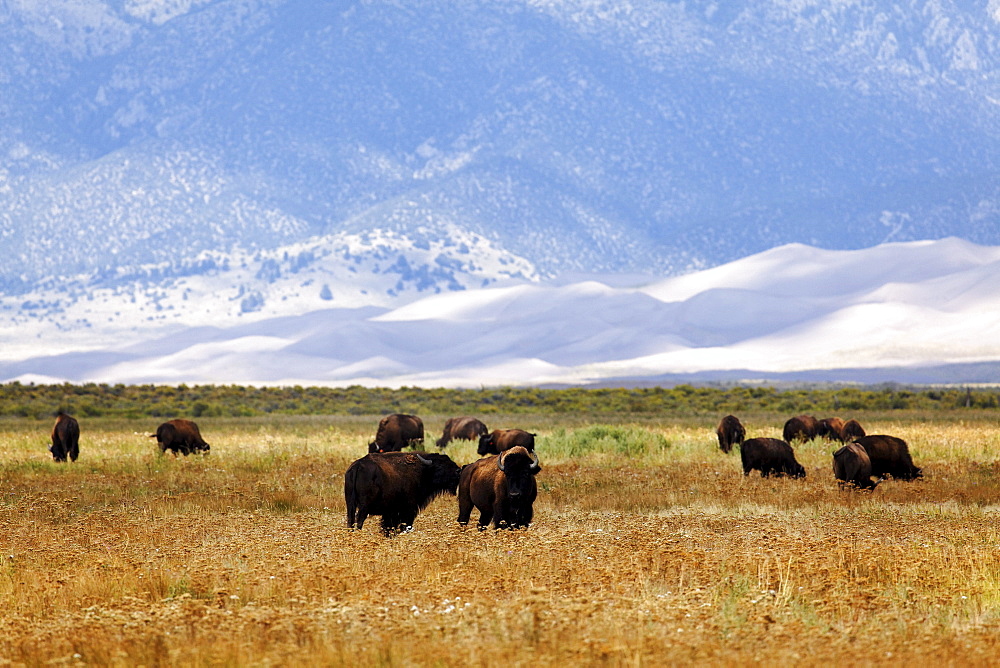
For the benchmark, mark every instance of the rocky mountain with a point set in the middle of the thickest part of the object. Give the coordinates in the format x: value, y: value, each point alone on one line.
x: 176, y: 136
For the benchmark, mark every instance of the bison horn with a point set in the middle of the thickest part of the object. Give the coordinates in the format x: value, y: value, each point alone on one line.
x: 426, y: 462
x: 500, y: 462
x: 534, y: 461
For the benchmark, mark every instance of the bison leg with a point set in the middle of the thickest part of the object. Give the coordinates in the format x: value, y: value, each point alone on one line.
x: 485, y: 517
x: 464, y: 509
x: 58, y: 451
x: 74, y: 451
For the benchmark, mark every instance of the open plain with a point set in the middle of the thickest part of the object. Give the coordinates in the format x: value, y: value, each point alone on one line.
x: 649, y: 547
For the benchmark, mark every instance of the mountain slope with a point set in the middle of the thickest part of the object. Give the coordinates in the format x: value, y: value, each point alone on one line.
x: 577, y: 135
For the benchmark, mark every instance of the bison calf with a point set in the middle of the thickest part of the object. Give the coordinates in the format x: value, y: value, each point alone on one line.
x: 852, y: 466
x: 181, y: 436
x: 730, y: 433
x: 770, y: 455
x: 462, y: 429
x: 501, y: 487
x: 889, y: 456
x: 397, y: 486
x: 504, y: 439
x: 65, y: 438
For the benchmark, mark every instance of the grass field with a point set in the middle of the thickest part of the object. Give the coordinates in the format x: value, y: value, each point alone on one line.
x: 649, y: 547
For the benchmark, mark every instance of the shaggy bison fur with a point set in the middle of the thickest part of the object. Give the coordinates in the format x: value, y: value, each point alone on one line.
x: 65, y: 438
x: 851, y: 466
x: 889, y: 456
x: 730, y: 432
x: 770, y: 455
x: 397, y: 486
x: 502, y: 487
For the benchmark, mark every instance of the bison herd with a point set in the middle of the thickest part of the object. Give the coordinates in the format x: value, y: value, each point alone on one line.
x: 397, y: 485
x: 861, y: 457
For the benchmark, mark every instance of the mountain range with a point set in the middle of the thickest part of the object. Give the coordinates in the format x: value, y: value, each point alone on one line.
x: 579, y: 135
x: 178, y: 169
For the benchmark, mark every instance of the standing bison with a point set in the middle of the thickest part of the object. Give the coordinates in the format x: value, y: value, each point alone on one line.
x: 852, y: 431
x: 851, y: 466
x: 396, y: 432
x: 730, y: 433
x: 180, y: 436
x: 397, y: 486
x: 831, y: 429
x: 889, y: 456
x: 770, y: 455
x: 801, y: 427
x: 502, y: 487
x: 462, y: 429
x: 504, y: 439
x: 65, y: 438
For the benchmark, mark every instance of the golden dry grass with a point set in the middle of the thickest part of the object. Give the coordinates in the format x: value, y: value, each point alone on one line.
x: 666, y: 555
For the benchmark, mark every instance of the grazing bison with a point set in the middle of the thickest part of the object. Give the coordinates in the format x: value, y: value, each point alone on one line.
x: 851, y: 466
x: 770, y: 455
x: 852, y: 431
x: 462, y: 429
x: 180, y: 436
x: 802, y: 427
x: 502, y: 487
x: 397, y: 486
x: 396, y: 432
x: 889, y: 456
x: 831, y: 429
x: 65, y: 438
x: 730, y: 433
x: 504, y: 439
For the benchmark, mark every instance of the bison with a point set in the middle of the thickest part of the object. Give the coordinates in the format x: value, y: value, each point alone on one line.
x: 770, y: 455
x: 730, y: 433
x: 889, y: 456
x: 504, y: 439
x: 462, y: 429
x: 852, y: 466
x: 396, y: 432
x: 65, y: 438
x: 397, y: 486
x: 852, y: 431
x: 502, y: 487
x: 831, y: 429
x: 180, y: 436
x: 802, y: 427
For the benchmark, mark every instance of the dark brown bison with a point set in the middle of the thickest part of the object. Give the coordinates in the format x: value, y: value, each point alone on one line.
x: 180, y: 436
x: 730, y: 433
x: 462, y: 429
x: 889, y: 456
x: 770, y: 455
x: 504, y: 439
x: 65, y: 438
x: 397, y: 486
x: 852, y: 431
x: 831, y: 429
x: 502, y: 487
x: 801, y: 427
x: 852, y: 466
x: 396, y: 432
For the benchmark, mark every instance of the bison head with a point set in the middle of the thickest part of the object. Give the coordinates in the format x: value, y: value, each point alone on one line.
x: 487, y: 444
x: 444, y: 473
x: 519, y: 466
